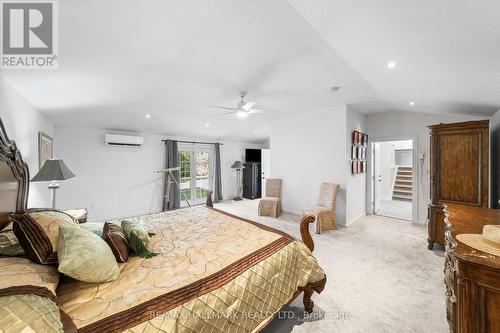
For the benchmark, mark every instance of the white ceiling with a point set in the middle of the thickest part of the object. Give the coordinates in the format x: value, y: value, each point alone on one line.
x: 121, y: 59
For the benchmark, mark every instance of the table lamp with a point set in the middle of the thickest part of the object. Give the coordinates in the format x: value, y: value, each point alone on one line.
x: 52, y: 171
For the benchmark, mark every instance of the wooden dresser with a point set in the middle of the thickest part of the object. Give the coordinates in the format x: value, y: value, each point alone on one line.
x: 472, y: 277
x: 458, y: 170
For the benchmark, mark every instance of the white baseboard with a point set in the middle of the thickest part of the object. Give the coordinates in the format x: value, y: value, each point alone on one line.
x: 354, y: 219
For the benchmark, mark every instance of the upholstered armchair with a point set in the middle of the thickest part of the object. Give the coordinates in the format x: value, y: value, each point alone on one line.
x: 271, y: 204
x: 324, y: 211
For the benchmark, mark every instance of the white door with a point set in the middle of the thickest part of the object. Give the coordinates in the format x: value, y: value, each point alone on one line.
x: 377, y: 177
x: 196, y: 164
x: 266, y: 168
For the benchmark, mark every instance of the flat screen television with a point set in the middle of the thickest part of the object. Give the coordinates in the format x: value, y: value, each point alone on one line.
x: 253, y: 155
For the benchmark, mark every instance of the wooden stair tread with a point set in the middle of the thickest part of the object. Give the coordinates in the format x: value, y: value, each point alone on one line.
x: 399, y: 197
x: 402, y: 192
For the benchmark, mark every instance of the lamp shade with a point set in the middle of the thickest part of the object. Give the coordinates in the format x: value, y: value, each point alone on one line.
x: 53, y: 170
x: 237, y: 165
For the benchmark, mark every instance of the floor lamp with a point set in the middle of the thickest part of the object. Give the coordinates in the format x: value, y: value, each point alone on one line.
x: 238, y: 166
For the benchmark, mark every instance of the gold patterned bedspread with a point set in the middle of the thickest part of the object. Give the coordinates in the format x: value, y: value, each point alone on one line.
x: 215, y: 273
x: 27, y: 297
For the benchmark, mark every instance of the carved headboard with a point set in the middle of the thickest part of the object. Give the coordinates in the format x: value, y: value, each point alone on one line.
x: 14, y: 178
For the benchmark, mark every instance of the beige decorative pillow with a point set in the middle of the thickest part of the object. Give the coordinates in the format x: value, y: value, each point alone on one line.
x: 85, y: 256
x: 38, y: 233
x: 28, y: 301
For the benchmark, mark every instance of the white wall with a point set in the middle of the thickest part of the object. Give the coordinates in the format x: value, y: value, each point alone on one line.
x: 307, y: 150
x: 356, y: 184
x: 22, y: 123
x: 495, y: 160
x: 119, y: 181
x: 404, y: 125
x: 266, y: 144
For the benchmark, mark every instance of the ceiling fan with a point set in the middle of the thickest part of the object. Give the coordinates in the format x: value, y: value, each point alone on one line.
x: 243, y: 108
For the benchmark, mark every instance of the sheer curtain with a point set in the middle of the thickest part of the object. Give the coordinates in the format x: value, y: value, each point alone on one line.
x: 171, y: 161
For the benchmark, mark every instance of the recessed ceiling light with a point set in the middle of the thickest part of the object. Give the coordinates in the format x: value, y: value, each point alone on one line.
x: 207, y: 125
x: 411, y: 103
x: 255, y: 132
x: 391, y: 65
x: 148, y: 116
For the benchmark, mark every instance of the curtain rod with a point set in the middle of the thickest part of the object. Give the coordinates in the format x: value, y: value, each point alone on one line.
x: 199, y: 142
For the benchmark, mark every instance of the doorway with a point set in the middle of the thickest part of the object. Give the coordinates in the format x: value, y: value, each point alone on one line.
x: 393, y: 186
x: 196, y: 173
x: 265, y: 169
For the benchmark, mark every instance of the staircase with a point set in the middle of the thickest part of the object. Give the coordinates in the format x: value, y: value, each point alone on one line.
x: 402, y: 186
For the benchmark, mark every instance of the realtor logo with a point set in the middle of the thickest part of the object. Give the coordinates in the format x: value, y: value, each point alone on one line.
x: 28, y: 34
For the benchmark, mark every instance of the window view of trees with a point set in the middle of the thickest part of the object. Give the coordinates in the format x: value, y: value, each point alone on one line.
x: 202, y: 173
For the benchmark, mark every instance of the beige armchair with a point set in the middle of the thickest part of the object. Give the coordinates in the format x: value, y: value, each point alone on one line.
x: 325, y: 210
x: 271, y: 204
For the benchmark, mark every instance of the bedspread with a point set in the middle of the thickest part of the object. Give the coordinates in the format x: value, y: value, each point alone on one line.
x: 215, y: 273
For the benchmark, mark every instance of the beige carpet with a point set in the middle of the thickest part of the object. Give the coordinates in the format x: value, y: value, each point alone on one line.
x: 381, y: 277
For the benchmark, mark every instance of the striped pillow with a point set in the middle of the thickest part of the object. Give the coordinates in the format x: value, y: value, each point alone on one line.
x: 38, y: 233
x: 117, y: 241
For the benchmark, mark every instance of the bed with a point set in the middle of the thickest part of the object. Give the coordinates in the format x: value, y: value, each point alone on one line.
x: 215, y: 272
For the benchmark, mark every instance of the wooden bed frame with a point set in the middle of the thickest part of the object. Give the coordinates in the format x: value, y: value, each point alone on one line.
x: 14, y: 188
x: 14, y: 178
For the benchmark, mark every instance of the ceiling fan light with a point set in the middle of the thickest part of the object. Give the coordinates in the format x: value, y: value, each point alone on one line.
x: 242, y: 114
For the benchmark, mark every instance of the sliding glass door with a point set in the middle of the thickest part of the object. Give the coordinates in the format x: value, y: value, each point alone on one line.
x: 196, y: 164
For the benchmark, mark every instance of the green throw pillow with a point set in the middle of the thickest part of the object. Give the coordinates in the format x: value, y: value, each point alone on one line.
x: 85, y: 256
x: 138, y: 239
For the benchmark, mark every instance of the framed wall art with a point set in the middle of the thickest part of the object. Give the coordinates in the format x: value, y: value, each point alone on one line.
x: 45, y: 148
x: 359, y: 152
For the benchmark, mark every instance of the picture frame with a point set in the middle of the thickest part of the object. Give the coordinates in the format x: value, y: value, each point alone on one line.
x: 45, y: 148
x: 359, y: 152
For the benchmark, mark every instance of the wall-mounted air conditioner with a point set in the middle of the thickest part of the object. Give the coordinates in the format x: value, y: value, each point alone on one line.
x: 123, y: 140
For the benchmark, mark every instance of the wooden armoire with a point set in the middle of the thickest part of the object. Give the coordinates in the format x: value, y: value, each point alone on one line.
x: 458, y: 170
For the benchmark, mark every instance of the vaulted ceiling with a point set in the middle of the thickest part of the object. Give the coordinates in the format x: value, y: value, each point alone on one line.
x: 121, y: 59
